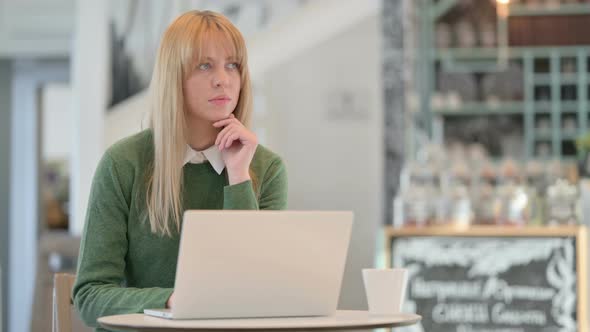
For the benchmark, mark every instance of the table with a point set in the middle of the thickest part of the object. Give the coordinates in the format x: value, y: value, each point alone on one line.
x: 341, y: 320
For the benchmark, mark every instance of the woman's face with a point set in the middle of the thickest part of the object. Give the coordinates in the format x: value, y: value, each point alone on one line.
x: 212, y: 89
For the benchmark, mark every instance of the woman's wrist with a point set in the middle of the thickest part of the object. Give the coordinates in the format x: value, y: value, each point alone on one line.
x: 237, y: 177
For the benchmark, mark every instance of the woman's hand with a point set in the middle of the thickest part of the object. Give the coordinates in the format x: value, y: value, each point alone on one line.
x: 169, y: 302
x: 237, y: 145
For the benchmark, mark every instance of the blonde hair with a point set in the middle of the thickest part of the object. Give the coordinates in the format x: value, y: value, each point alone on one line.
x: 180, y: 49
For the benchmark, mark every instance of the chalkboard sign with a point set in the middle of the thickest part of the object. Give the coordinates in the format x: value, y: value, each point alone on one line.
x: 493, y: 279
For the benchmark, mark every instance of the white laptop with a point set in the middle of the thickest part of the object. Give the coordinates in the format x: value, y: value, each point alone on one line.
x: 239, y: 264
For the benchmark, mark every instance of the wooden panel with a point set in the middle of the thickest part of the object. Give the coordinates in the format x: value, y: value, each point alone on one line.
x: 483, y: 231
x: 549, y: 30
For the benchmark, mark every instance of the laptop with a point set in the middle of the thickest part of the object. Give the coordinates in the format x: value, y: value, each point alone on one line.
x: 246, y: 264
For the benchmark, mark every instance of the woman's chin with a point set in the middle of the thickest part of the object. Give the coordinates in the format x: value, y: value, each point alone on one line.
x: 213, y: 115
x: 220, y: 115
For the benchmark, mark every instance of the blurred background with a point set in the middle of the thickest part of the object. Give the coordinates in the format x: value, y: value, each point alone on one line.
x: 411, y: 113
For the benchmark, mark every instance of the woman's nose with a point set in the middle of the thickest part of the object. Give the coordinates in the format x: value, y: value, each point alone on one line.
x: 220, y: 78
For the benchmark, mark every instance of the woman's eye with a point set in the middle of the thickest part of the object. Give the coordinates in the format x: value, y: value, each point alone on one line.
x: 204, y: 66
x: 232, y: 65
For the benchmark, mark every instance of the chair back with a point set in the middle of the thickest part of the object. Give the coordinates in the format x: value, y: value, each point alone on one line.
x: 65, y: 317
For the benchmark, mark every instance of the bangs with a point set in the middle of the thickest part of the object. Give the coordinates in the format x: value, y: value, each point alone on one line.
x: 213, y: 32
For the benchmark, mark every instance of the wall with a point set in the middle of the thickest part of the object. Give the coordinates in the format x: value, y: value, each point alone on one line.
x: 126, y: 118
x: 327, y: 125
x: 56, y: 100
x: 90, y: 80
x: 5, y: 116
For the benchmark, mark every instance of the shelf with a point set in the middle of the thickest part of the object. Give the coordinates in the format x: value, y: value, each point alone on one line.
x: 545, y: 107
x: 564, y: 78
x: 569, y: 135
x: 476, y: 108
x: 548, y: 10
x: 543, y: 135
x: 569, y: 106
x: 547, y: 135
x: 543, y: 110
x: 553, y: 81
x: 513, y: 52
x: 563, y: 158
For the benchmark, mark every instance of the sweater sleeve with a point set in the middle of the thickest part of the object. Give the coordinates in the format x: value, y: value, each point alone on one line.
x: 273, y: 191
x: 100, y: 289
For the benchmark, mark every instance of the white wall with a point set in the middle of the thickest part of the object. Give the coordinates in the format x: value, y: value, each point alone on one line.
x: 311, y: 25
x: 90, y: 82
x: 5, y: 122
x: 126, y: 118
x: 56, y: 114
x: 332, y: 148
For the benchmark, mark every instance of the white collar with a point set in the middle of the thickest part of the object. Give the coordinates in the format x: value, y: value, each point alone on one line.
x: 212, y: 154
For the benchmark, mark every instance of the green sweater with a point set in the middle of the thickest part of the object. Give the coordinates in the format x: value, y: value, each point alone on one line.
x: 123, y: 267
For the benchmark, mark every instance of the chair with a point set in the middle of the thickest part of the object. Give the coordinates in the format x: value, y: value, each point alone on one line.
x: 65, y: 317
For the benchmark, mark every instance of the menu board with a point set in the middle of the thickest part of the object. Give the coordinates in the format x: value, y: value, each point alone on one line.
x: 485, y: 284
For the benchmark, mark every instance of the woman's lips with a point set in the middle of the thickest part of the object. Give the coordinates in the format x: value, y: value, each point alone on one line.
x: 219, y: 101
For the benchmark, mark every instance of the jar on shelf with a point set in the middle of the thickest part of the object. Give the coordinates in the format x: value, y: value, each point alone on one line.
x: 465, y: 32
x: 513, y: 195
x: 543, y: 124
x: 417, y: 207
x: 419, y: 188
x: 515, y: 204
x: 486, y: 203
x: 570, y: 124
x: 568, y: 65
x: 461, y: 212
x: 444, y: 35
x: 543, y: 150
x: 487, y: 37
x: 554, y: 171
x: 457, y: 194
x: 562, y: 200
x: 536, y: 187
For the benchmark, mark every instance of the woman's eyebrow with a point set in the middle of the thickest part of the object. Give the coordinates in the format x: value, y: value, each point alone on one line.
x: 229, y: 58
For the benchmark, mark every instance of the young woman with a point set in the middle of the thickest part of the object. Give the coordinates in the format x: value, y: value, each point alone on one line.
x: 197, y: 154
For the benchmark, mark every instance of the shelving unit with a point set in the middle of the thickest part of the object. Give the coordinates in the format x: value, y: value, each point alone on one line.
x: 555, y: 103
x: 475, y: 108
x: 544, y: 9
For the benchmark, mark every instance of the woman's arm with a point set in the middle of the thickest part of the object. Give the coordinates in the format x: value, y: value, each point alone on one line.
x: 238, y: 146
x: 273, y: 191
x: 99, y: 289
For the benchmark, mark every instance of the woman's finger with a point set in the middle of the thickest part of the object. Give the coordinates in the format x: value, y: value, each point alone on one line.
x: 232, y: 137
x: 222, y: 123
x: 223, y: 140
x: 225, y: 122
x: 222, y: 132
